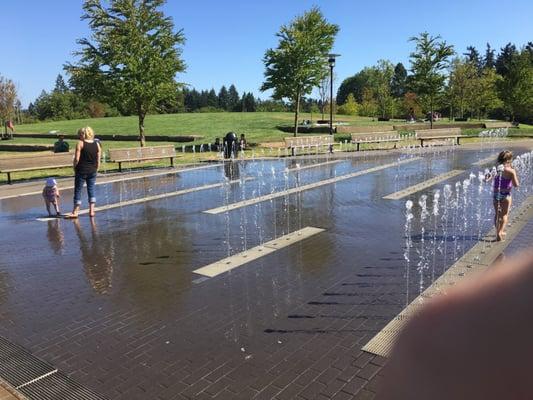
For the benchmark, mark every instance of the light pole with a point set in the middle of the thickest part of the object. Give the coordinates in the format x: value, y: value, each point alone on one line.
x: 331, y: 61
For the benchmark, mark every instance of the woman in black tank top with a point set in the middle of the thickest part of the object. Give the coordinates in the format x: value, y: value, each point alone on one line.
x: 86, y: 164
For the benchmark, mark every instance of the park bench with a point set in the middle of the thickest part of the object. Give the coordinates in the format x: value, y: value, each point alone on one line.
x: 438, y: 134
x: 306, y: 142
x: 375, y: 137
x: 498, y: 124
x: 35, y: 162
x: 364, y: 129
x: 139, y: 154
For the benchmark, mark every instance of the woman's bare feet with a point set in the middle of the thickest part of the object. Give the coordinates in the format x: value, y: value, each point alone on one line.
x: 74, y: 213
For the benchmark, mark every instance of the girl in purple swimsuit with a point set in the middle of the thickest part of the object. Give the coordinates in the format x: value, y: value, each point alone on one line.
x: 504, y: 179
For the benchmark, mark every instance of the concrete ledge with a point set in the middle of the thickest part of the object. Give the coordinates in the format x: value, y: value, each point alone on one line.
x: 423, y: 185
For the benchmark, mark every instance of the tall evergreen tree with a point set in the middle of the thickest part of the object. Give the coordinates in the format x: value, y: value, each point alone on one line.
x: 399, y: 81
x: 212, y: 99
x: 223, y: 98
x: 60, y: 86
x: 503, y: 62
x: 489, y: 60
x: 516, y: 87
x: 474, y: 58
x: 249, y: 102
x: 233, y: 99
x: 204, y: 99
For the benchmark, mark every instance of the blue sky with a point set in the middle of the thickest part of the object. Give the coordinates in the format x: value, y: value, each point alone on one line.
x: 226, y: 40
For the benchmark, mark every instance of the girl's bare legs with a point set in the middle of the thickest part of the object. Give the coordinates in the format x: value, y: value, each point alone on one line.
x: 56, y: 206
x: 501, y: 215
x: 48, y: 207
x: 506, y: 206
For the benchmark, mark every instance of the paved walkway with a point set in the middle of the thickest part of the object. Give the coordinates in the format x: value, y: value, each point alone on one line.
x: 112, y: 304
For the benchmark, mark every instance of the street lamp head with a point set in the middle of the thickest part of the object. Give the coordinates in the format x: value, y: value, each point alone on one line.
x: 331, y: 59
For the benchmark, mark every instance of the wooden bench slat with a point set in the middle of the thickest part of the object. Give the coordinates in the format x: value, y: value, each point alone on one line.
x: 35, y: 162
x: 439, y: 134
x: 498, y: 124
x: 364, y: 129
x: 374, y: 137
x: 142, y: 152
x: 143, y: 158
x: 138, y: 154
x: 308, y: 141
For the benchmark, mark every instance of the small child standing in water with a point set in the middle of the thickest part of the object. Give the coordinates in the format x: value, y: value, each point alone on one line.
x: 505, y: 178
x: 51, y: 196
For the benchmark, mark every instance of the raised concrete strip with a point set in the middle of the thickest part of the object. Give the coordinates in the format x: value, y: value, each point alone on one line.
x: 163, y: 196
x: 237, y: 260
x: 296, y: 169
x: 423, y: 185
x: 152, y: 198
x: 245, y: 203
x: 476, y: 260
x: 104, y: 180
x: 487, y: 160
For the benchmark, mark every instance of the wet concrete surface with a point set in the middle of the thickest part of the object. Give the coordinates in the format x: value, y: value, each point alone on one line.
x: 113, y: 303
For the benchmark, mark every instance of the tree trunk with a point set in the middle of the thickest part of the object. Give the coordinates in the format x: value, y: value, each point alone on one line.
x: 431, y: 113
x: 296, y: 112
x: 142, y: 138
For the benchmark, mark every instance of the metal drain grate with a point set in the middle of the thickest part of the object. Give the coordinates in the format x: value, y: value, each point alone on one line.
x: 58, y: 386
x: 18, y: 366
x: 35, y: 378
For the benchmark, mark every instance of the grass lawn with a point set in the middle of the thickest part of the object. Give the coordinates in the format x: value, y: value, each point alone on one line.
x: 258, y: 127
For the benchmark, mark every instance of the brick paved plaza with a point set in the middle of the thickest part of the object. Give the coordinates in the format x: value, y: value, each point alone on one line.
x: 114, y: 305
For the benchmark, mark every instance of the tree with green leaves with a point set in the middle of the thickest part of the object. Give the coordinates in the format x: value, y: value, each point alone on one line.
x: 381, y: 85
x: 369, y: 106
x: 297, y: 64
x: 8, y: 100
x: 474, y: 58
x: 60, y: 86
x: 399, y: 81
x: 463, y: 74
x: 484, y: 94
x: 223, y: 98
x: 489, y: 60
x: 233, y: 99
x: 428, y: 62
x: 350, y: 107
x: 516, y: 86
x: 133, y: 57
x: 248, y: 102
x: 323, y: 89
x: 212, y: 99
x: 504, y: 59
x: 355, y: 84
